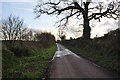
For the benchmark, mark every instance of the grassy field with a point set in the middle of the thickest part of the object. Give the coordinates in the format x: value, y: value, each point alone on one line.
x: 103, y: 51
x: 26, y: 59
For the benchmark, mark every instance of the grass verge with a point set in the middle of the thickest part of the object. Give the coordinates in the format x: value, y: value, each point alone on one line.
x: 93, y: 55
x: 31, y: 66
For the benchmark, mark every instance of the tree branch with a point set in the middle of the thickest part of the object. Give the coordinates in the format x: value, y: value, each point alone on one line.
x: 41, y: 10
x: 108, y: 13
x: 98, y: 15
x: 66, y: 19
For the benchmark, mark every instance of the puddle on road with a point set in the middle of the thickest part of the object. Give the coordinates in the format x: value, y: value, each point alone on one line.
x: 70, y: 52
x: 59, y: 54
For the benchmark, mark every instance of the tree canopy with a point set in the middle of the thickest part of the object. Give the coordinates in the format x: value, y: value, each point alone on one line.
x: 78, y: 9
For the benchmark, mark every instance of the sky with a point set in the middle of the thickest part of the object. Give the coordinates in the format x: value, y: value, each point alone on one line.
x: 24, y: 10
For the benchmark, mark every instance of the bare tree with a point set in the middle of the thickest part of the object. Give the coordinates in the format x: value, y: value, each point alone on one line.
x: 61, y: 34
x: 27, y: 34
x: 30, y: 35
x: 23, y: 31
x: 79, y: 9
x: 12, y: 27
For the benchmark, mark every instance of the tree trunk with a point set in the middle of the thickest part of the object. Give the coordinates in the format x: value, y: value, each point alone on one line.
x: 87, y: 29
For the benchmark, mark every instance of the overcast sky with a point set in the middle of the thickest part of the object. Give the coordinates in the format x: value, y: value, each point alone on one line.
x: 24, y: 10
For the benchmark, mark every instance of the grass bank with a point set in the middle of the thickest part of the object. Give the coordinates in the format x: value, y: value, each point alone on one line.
x: 103, y: 51
x: 25, y: 59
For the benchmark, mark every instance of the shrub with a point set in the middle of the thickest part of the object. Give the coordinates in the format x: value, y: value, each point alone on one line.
x: 45, y: 38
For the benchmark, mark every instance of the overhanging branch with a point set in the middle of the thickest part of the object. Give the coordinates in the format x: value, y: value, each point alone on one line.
x: 66, y: 19
x: 97, y: 15
x: 108, y: 13
x: 41, y: 10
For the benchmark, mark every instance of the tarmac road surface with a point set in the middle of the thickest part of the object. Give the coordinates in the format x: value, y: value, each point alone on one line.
x: 66, y: 64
